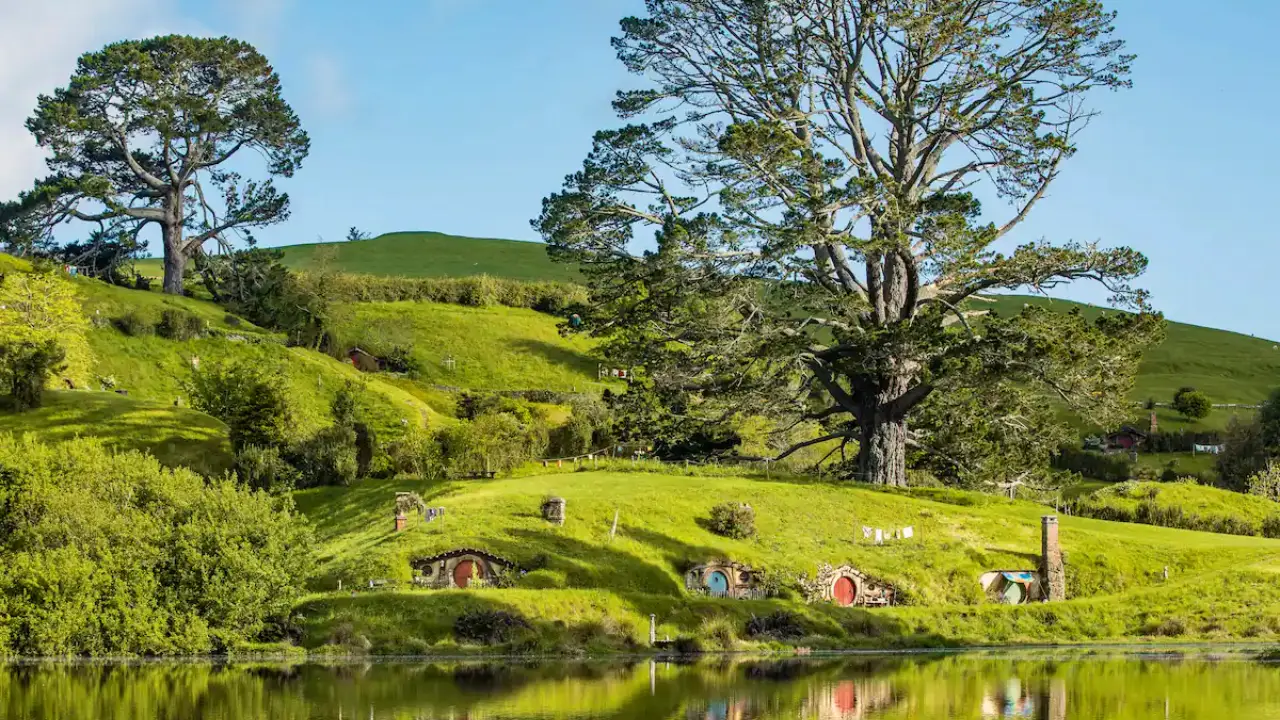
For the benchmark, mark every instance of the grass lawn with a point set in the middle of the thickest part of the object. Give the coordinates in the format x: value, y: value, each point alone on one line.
x: 493, y: 348
x: 1208, y: 502
x: 177, y: 436
x: 421, y: 254
x: 1114, y: 569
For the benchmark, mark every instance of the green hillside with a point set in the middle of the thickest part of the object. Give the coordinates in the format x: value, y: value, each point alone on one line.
x: 176, y: 436
x: 1228, y: 366
x: 421, y: 254
x: 1114, y: 569
x: 493, y: 348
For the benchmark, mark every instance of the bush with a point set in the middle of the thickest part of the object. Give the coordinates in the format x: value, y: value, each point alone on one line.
x: 1111, y: 468
x: 1192, y: 403
x: 489, y: 627
x: 733, y: 520
x: 265, y: 469
x: 480, y: 290
x: 1271, y: 527
x: 133, y: 324
x: 685, y: 645
x: 25, y: 367
x: 180, y: 325
x: 247, y: 397
x: 780, y: 625
x: 326, y: 458
x: 496, y: 442
x: 417, y: 453
x: 109, y: 553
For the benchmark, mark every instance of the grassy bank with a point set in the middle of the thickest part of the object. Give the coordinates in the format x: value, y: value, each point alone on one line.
x: 1185, y: 505
x: 591, y: 591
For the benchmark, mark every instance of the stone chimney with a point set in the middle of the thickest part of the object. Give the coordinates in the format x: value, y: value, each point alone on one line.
x: 1052, y: 572
x: 402, y: 521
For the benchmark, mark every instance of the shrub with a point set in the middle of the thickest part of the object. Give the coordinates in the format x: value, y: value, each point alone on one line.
x: 733, y: 520
x: 1111, y: 468
x: 780, y: 625
x: 133, y: 324
x: 1266, y: 483
x: 685, y: 645
x: 417, y: 453
x: 247, y: 397
x: 110, y: 553
x: 326, y: 458
x: 496, y: 442
x: 489, y: 627
x: 718, y: 631
x: 180, y: 325
x: 1271, y: 527
x: 1192, y: 403
x: 265, y: 469
x: 25, y: 367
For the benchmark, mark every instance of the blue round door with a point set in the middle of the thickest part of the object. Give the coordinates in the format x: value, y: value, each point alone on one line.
x: 717, y: 583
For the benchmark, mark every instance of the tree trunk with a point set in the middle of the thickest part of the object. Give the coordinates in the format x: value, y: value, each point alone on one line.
x: 175, y: 257
x: 882, y: 451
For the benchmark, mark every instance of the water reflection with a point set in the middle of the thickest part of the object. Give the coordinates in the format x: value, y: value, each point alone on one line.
x: 876, y: 688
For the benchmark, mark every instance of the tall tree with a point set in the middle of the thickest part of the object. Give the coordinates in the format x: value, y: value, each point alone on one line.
x: 147, y: 133
x: 807, y: 169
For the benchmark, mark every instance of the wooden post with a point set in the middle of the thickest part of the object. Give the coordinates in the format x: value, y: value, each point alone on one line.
x: 614, y: 530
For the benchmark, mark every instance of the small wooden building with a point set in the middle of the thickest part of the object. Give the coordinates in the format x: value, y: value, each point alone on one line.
x: 725, y: 579
x: 1012, y: 587
x: 458, y: 568
x: 1124, y: 440
x: 363, y: 361
x: 847, y: 586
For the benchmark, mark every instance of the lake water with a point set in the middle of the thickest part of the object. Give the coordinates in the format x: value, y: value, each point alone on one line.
x: 1080, y: 686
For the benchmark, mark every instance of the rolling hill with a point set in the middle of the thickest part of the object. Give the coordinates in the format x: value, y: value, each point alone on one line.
x: 584, y: 586
x: 1229, y: 367
x: 421, y: 254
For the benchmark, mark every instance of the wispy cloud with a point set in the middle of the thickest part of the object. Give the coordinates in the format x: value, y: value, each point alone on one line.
x: 41, y: 43
x: 329, y: 91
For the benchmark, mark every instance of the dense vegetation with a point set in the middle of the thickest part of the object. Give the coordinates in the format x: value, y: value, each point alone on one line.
x: 109, y: 553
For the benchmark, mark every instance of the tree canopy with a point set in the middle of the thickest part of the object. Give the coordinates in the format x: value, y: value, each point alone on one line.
x: 155, y: 132
x: 792, y: 218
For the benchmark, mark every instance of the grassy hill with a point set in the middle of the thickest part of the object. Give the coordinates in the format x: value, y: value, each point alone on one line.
x: 495, y: 348
x: 1220, y: 585
x: 421, y: 254
x: 176, y: 436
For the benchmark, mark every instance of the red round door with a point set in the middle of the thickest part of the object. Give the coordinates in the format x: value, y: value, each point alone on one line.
x: 462, y: 573
x: 845, y: 591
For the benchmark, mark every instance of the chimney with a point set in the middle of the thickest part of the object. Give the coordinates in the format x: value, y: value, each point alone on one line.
x: 1052, y: 572
x: 402, y: 521
x: 1155, y: 427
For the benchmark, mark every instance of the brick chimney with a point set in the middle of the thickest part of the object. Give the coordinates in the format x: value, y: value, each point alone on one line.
x: 1052, y: 572
x: 402, y: 521
x: 1155, y: 427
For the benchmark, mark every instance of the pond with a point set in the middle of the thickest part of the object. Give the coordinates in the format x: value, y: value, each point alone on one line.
x: 1079, y: 686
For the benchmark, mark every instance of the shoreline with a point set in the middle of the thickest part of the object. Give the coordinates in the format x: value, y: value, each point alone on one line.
x: 1145, y: 650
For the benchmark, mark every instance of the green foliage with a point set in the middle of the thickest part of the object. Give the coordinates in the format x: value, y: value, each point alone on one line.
x: 265, y: 469
x: 107, y: 553
x: 473, y: 291
x: 25, y: 367
x: 134, y: 324
x: 1095, y: 465
x: 1249, y: 446
x: 495, y: 442
x: 248, y: 397
x: 329, y: 457
x: 1183, y: 505
x: 418, y: 454
x: 39, y: 313
x: 144, y: 170
x: 1192, y: 403
x: 253, y: 283
x: 1267, y: 484
x: 733, y: 520
x: 489, y: 627
x: 177, y: 324
x: 356, y: 235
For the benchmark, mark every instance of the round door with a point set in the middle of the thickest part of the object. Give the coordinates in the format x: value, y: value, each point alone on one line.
x: 463, y: 571
x: 718, y: 583
x: 1014, y: 594
x: 845, y: 591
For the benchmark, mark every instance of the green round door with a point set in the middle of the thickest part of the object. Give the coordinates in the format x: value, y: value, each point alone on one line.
x: 1014, y: 594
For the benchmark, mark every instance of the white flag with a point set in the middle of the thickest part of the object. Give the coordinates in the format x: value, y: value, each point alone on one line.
x: 908, y: 532
x: 879, y: 536
x: 866, y: 533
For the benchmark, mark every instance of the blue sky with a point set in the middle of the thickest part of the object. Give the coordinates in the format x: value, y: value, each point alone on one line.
x: 460, y: 115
